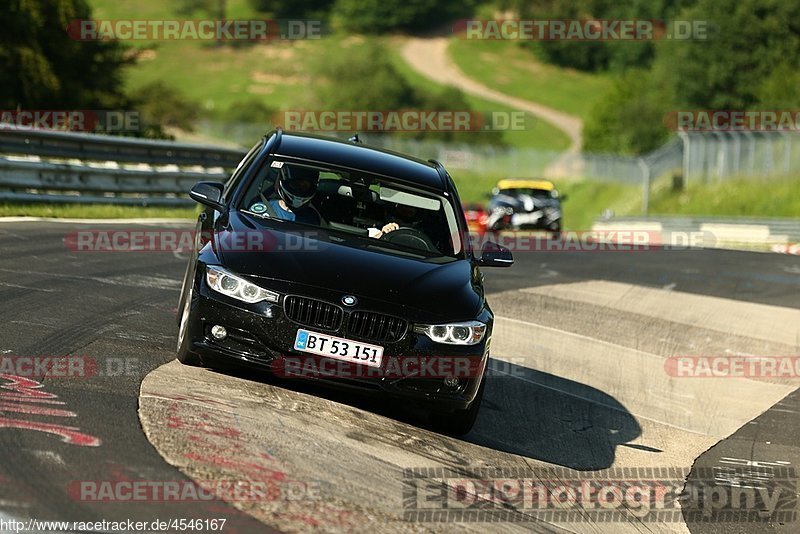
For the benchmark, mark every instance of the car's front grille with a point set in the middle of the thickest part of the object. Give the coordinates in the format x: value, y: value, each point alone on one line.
x: 313, y: 313
x: 377, y: 327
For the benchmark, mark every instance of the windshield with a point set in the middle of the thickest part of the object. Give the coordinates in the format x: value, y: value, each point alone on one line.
x: 535, y: 193
x: 393, y: 215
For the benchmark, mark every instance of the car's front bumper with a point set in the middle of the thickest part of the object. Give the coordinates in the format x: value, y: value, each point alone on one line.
x: 261, y: 336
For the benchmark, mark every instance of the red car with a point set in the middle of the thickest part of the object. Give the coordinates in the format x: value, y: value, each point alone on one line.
x: 477, y: 218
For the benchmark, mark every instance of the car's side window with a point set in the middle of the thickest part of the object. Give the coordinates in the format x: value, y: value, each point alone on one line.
x: 241, y: 170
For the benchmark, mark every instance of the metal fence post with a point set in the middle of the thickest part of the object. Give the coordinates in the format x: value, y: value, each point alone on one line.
x: 645, y: 185
x: 686, y: 154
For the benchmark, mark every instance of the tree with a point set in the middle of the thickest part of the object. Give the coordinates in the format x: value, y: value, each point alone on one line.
x: 44, y: 68
x: 779, y: 90
x: 728, y: 71
x: 596, y: 55
x: 750, y: 60
x: 294, y: 9
x: 629, y: 119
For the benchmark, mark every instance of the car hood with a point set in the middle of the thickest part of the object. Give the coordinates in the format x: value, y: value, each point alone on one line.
x: 317, y: 260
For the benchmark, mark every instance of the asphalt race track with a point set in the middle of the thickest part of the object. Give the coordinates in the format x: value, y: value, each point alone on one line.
x: 581, y: 386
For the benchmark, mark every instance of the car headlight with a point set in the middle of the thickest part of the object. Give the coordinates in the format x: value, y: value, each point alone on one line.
x: 229, y: 284
x: 503, y: 210
x: 468, y: 333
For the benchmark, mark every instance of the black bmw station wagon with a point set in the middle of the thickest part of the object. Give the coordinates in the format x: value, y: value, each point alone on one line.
x: 334, y: 261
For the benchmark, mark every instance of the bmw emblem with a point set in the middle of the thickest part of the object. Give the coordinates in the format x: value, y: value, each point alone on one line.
x: 349, y: 300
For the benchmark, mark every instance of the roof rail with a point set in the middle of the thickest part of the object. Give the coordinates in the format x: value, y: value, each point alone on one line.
x: 276, y: 142
x: 441, y: 170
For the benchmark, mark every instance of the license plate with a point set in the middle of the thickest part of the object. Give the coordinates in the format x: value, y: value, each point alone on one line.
x: 525, y: 218
x: 338, y: 348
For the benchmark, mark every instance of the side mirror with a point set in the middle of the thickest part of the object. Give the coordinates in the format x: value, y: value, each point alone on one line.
x: 209, y: 194
x: 562, y: 197
x: 494, y: 255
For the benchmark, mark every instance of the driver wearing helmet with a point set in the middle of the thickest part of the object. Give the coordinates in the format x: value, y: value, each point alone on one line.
x: 296, y: 186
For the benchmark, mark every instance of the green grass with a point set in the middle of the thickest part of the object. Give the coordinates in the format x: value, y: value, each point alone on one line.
x: 213, y: 76
x: 157, y: 9
x: 474, y: 187
x: 217, y: 77
x: 737, y: 198
x: 94, y: 211
x: 507, y: 67
x: 586, y: 201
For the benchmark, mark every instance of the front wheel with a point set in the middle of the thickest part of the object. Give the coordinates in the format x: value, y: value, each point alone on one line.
x: 460, y: 422
x: 184, y: 339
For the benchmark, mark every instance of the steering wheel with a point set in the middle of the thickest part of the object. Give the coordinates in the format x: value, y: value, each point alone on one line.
x: 410, y: 237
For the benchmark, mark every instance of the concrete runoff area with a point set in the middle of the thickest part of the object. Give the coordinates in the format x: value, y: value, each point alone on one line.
x: 555, y: 397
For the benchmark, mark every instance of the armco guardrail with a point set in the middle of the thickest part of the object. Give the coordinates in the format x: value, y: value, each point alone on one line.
x: 36, y: 181
x: 775, y: 234
x: 48, y: 143
x: 48, y: 166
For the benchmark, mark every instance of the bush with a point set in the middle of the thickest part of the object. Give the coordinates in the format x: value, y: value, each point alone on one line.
x: 361, y: 78
x: 252, y: 111
x: 160, y: 106
x: 382, y: 16
x: 294, y: 9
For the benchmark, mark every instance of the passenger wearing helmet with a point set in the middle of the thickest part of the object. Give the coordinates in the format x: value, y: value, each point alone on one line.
x: 296, y: 186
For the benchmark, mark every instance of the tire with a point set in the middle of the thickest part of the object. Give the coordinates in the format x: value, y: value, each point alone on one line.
x: 184, y: 318
x: 460, y: 422
x: 186, y: 281
x: 555, y: 230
